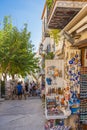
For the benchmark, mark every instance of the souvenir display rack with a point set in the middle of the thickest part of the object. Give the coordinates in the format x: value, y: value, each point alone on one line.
x: 83, y: 95
x: 72, y: 77
x: 72, y: 68
x: 55, y: 107
x: 9, y: 87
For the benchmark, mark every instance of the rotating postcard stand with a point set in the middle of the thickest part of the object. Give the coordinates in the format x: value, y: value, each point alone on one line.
x: 55, y: 105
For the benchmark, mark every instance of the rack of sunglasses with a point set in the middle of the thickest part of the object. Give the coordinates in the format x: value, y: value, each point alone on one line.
x: 83, y: 95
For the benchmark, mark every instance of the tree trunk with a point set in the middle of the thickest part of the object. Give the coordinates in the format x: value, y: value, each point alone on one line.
x: 13, y: 77
x: 4, y: 76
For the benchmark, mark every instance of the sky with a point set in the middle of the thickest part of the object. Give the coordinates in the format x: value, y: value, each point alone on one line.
x: 25, y: 11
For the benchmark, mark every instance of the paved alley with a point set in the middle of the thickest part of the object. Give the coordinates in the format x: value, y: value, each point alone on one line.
x: 22, y: 115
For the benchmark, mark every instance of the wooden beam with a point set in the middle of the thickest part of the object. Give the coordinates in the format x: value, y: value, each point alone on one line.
x: 79, y: 24
x: 82, y: 43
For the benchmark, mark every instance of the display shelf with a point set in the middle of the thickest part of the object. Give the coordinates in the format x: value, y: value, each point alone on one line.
x: 48, y: 117
x: 54, y: 73
x: 51, y: 96
x: 56, y: 125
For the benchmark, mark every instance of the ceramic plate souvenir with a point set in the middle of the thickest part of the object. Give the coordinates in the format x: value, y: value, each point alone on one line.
x: 73, y: 59
x: 70, y: 62
x: 74, y: 74
x: 70, y: 71
x: 79, y: 73
x: 71, y: 79
x: 76, y: 78
x: 79, y: 64
x: 76, y: 55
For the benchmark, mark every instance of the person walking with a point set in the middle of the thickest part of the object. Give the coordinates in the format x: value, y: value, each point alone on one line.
x: 30, y: 89
x: 19, y: 90
x: 23, y: 89
x: 33, y: 89
x: 26, y: 89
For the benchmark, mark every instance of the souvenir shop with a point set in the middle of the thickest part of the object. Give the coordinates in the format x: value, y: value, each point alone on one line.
x: 66, y: 91
x: 78, y: 27
x: 62, y: 103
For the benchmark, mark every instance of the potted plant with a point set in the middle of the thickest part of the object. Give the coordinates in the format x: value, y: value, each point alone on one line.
x: 49, y: 3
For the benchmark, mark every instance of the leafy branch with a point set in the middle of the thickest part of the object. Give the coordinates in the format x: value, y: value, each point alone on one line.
x: 49, y: 3
x: 48, y: 56
x: 55, y: 34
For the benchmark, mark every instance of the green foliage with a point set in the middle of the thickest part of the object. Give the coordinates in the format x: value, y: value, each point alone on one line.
x: 48, y: 56
x: 49, y: 3
x: 16, y: 50
x: 55, y: 34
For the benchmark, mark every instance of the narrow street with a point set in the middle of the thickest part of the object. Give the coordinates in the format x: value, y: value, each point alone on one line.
x: 22, y: 115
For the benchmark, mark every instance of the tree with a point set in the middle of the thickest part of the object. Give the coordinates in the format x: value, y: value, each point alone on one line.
x: 16, y: 50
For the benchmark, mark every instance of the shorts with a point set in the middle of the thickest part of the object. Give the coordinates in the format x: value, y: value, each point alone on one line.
x: 19, y: 93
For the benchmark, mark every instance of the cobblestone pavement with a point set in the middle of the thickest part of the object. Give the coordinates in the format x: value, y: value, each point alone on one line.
x: 22, y: 115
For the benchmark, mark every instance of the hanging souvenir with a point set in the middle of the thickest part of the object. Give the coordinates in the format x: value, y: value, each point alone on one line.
x: 74, y: 103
